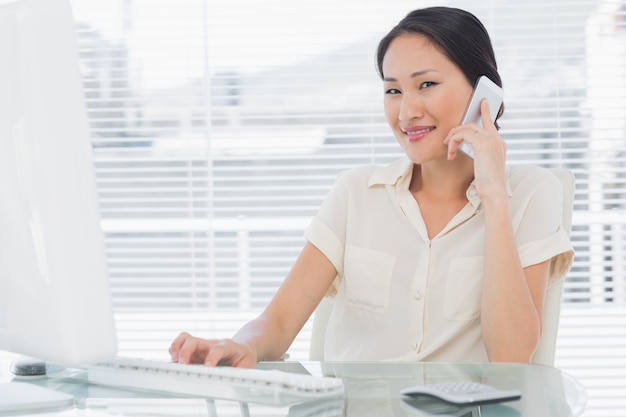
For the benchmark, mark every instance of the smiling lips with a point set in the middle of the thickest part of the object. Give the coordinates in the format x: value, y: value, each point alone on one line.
x: 416, y: 133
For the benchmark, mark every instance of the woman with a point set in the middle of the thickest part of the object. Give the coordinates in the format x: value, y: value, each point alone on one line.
x: 437, y: 257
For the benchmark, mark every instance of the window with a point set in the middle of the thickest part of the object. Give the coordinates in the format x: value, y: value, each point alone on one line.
x: 218, y: 127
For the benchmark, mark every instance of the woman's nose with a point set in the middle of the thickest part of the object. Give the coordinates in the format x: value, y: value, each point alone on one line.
x: 410, y: 108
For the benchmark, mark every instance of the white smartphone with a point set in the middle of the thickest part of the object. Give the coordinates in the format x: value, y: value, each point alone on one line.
x: 484, y: 89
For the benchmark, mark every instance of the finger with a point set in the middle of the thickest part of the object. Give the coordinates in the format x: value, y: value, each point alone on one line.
x: 190, y: 350
x: 174, y: 349
x: 244, y: 362
x: 453, y: 144
x: 216, y: 354
x: 228, y: 352
x: 485, y: 115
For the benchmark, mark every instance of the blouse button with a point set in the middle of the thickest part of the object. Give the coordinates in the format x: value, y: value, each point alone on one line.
x: 472, y: 192
x: 417, y: 295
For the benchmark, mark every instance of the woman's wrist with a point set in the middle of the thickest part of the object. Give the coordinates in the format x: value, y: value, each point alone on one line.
x: 495, y: 201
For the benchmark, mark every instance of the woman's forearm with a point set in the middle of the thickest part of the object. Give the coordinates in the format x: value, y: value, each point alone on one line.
x: 271, y: 334
x: 510, y: 319
x: 265, y: 338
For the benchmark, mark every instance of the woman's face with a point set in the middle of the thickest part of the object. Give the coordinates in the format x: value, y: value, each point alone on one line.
x: 425, y: 96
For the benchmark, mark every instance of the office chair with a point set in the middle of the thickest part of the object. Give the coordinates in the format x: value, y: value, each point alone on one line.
x: 544, y: 354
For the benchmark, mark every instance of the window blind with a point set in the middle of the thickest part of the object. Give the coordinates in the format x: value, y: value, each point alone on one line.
x: 218, y: 128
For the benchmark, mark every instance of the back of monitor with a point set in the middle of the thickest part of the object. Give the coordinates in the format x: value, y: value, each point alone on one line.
x: 54, y: 293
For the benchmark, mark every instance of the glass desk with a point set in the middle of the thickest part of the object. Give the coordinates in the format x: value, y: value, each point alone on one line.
x: 372, y: 389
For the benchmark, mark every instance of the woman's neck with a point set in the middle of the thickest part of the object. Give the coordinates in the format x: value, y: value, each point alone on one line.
x: 443, y: 180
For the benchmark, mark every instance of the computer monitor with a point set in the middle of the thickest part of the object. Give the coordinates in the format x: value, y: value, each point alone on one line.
x: 54, y: 293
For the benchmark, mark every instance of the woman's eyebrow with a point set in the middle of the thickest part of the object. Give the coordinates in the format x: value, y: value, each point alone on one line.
x: 413, y: 75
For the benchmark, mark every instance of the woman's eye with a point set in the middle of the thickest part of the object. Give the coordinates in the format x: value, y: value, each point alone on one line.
x: 427, y: 84
x: 392, y: 91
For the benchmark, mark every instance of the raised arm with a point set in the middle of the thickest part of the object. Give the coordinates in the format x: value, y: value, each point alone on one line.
x: 512, y: 296
x: 268, y: 336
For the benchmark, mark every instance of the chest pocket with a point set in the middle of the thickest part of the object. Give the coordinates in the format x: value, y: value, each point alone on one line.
x: 464, y: 289
x: 367, y: 277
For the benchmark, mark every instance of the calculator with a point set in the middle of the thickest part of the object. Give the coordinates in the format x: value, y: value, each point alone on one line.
x: 463, y: 393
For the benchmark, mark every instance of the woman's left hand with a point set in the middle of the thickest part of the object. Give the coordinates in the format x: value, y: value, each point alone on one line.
x: 489, y: 153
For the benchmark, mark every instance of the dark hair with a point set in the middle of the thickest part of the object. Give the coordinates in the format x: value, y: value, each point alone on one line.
x: 458, y: 34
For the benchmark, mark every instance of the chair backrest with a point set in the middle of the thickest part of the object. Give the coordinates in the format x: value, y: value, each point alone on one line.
x: 544, y: 354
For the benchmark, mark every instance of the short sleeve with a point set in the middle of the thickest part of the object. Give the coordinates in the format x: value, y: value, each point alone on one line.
x: 325, y: 239
x: 327, y: 229
x: 556, y: 247
x: 540, y: 234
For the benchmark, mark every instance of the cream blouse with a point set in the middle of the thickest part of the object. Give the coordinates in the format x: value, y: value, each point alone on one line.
x: 403, y: 296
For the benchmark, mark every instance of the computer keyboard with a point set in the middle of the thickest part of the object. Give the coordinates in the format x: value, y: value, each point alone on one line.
x: 224, y: 382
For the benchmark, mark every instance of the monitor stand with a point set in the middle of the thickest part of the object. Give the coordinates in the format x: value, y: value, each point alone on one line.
x: 22, y: 396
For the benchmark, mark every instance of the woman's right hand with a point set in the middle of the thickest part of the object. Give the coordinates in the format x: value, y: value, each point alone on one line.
x: 268, y: 336
x: 212, y: 352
